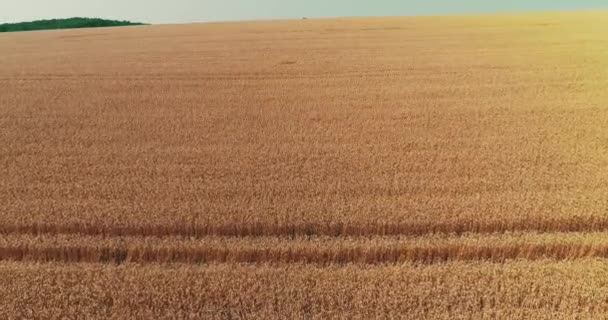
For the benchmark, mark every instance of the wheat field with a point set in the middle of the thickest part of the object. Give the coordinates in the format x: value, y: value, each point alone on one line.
x: 361, y: 168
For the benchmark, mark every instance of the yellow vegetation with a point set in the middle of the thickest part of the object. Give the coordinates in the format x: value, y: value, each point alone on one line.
x: 437, y: 167
x: 480, y: 290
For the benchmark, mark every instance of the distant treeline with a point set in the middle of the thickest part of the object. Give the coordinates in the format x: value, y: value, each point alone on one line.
x: 71, y: 23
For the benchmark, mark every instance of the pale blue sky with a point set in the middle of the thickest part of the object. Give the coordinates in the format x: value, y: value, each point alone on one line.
x: 180, y: 11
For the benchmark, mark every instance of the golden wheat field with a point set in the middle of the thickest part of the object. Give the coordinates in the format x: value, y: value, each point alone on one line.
x: 365, y: 168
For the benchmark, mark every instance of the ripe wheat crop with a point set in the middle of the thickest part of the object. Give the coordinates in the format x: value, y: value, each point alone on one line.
x: 431, y: 167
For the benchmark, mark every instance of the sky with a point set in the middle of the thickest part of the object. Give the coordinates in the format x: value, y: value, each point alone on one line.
x: 184, y: 11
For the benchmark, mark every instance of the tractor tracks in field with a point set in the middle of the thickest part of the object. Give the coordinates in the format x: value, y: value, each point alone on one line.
x: 566, y: 224
x: 293, y: 245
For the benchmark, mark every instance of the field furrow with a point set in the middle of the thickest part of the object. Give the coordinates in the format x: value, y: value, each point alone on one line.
x: 539, y: 225
x: 313, y: 250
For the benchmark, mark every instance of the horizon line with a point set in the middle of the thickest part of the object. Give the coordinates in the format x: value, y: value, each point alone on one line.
x: 270, y: 19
